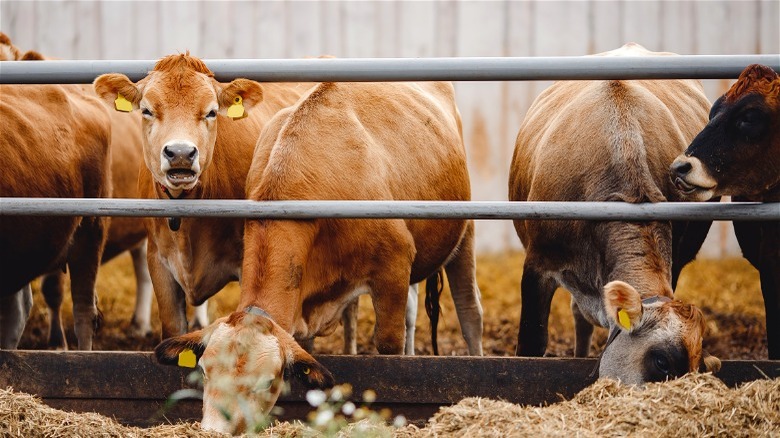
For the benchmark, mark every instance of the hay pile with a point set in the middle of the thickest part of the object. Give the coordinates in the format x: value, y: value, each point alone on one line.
x: 22, y: 415
x: 697, y: 405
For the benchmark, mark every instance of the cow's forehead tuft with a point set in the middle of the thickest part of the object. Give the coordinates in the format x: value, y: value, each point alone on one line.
x: 182, y: 62
x: 755, y: 78
x: 693, y: 327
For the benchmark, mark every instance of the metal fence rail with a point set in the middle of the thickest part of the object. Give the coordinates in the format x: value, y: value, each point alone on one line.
x: 742, y: 211
x: 409, y: 69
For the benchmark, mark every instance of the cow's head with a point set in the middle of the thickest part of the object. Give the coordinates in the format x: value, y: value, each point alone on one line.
x: 180, y: 102
x: 738, y: 152
x: 245, y: 359
x: 652, y: 340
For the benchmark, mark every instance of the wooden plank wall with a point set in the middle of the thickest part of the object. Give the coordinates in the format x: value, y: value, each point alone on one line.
x: 492, y: 111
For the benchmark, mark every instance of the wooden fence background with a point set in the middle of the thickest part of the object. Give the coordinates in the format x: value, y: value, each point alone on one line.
x: 491, y: 111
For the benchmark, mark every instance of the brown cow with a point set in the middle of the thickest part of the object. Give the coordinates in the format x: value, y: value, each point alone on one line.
x: 193, y: 150
x: 738, y: 154
x: 608, y: 141
x: 396, y: 141
x: 55, y: 143
x: 124, y: 233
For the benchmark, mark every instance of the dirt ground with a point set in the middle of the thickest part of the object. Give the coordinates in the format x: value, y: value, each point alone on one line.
x: 727, y: 291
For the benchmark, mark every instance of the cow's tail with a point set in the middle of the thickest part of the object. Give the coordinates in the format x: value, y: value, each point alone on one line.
x: 434, y: 286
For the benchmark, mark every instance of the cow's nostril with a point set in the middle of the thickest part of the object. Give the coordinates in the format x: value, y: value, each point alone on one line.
x: 681, y: 167
x: 181, y: 154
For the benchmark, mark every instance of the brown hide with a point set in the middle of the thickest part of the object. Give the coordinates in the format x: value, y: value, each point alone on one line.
x: 126, y: 163
x: 379, y: 141
x: 598, y: 141
x: 55, y: 142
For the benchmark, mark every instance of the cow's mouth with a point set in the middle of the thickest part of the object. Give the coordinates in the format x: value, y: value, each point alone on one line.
x: 179, y: 177
x: 684, y: 187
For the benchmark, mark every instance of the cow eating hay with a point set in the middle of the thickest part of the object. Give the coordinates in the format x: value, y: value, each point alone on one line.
x: 695, y: 405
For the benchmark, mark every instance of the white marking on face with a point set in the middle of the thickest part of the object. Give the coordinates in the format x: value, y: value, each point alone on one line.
x: 243, y: 369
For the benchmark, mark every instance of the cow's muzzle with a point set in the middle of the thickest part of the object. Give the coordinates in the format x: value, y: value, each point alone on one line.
x: 180, y: 163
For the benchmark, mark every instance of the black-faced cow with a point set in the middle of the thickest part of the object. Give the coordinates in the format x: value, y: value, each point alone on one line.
x: 738, y: 154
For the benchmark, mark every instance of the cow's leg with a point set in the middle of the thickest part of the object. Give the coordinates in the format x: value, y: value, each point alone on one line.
x: 349, y: 320
x: 760, y: 243
x: 537, y: 291
x: 53, y: 288
x: 14, y: 311
x: 687, y: 238
x: 83, y: 261
x: 171, y: 303
x: 390, y: 288
x: 462, y: 276
x: 411, y: 319
x: 141, y: 324
x: 201, y: 317
x: 583, y: 332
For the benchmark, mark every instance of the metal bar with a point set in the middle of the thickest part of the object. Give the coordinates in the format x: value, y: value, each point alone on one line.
x: 408, y: 69
x: 343, y: 209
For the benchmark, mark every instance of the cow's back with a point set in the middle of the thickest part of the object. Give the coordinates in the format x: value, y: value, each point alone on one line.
x: 388, y: 141
x: 54, y: 144
x: 604, y: 141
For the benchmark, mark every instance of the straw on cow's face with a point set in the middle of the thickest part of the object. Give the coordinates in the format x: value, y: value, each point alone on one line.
x: 245, y: 359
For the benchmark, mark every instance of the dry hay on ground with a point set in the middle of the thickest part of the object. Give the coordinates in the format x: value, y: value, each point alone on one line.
x: 23, y: 415
x: 696, y: 405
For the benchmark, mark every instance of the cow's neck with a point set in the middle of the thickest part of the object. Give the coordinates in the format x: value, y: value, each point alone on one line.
x: 273, y: 267
x: 636, y: 255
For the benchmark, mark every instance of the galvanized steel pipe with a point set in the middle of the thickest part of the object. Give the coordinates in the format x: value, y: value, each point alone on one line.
x: 409, y: 69
x: 741, y: 211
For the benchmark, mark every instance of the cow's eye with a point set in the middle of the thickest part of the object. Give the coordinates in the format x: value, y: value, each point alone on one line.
x: 146, y: 113
x: 752, y: 123
x: 212, y: 114
x: 662, y: 363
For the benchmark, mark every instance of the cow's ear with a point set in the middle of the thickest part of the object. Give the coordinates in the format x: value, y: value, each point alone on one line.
x: 242, y: 92
x: 623, y: 304
x: 709, y: 363
x: 183, y: 350
x: 118, y: 91
x: 306, y: 369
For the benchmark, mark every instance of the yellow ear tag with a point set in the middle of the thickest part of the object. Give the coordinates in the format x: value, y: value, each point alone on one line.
x: 236, y: 111
x: 624, y: 319
x: 123, y: 104
x: 187, y: 359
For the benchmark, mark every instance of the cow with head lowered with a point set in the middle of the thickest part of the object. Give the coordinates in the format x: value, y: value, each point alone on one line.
x: 610, y: 140
x: 198, y: 136
x: 738, y: 154
x: 341, y: 141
